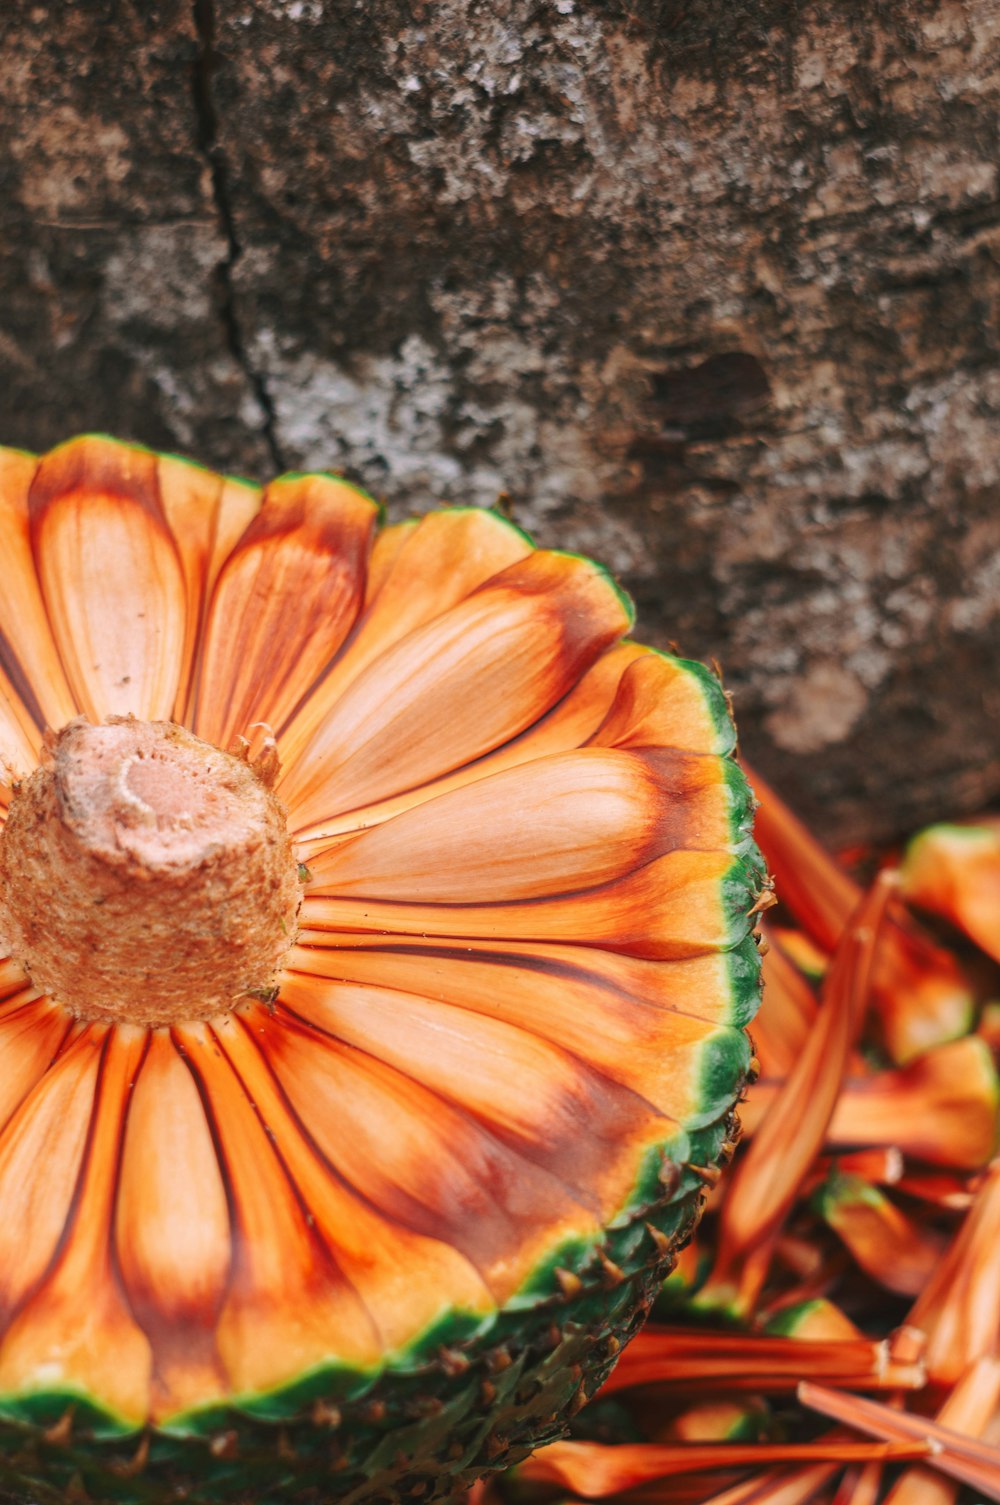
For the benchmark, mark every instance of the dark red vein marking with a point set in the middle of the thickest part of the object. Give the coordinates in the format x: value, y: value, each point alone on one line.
x: 20, y: 682
x: 326, y: 1254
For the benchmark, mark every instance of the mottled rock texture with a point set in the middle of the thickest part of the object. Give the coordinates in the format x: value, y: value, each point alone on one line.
x: 710, y: 290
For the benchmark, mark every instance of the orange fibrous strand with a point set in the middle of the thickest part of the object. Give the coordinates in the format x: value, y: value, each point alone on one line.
x: 959, y: 1305
x: 886, y: 1172
x: 941, y: 1108
x: 765, y: 1183
x: 695, y: 1359
x: 593, y: 1470
x: 921, y: 993
x: 954, y: 1453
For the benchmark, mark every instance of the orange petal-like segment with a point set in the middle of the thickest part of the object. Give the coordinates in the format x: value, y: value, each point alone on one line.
x: 558, y: 825
x: 883, y: 1167
x: 860, y: 1485
x: 971, y: 1408
x: 952, y: 1452
x: 893, y: 1249
x: 680, y: 905
x: 32, y: 1029
x: 388, y: 542
x: 954, y: 871
x: 547, y: 1104
x: 701, y: 986
x: 568, y: 725
x: 13, y: 979
x: 33, y: 689
x: 697, y: 1360
x: 921, y: 996
x: 172, y: 1232
x: 766, y: 1181
x: 206, y: 514
x: 458, y: 687
x: 75, y: 1331
x: 19, y: 740
x: 942, y: 1107
x: 41, y: 1150
x: 649, y: 1048
x: 426, y: 568
x: 780, y: 1486
x: 407, y: 1282
x: 594, y: 1470
x: 667, y: 702
x: 418, y: 570
x: 958, y: 1306
x: 380, y: 1130
x: 111, y: 577
x: 28, y: 659
x: 288, y: 1306
x: 283, y: 604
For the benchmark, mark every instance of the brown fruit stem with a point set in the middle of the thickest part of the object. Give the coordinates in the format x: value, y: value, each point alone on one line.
x: 146, y: 877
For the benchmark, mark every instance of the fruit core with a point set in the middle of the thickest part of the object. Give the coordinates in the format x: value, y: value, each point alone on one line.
x: 146, y: 877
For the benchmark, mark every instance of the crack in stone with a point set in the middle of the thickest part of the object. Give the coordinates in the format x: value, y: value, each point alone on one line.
x: 207, y: 140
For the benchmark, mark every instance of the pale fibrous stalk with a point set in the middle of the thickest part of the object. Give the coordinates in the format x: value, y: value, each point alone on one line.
x: 146, y: 877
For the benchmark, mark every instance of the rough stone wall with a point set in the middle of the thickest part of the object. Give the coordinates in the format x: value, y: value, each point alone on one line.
x: 710, y: 291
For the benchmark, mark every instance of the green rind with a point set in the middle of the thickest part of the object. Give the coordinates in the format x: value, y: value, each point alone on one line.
x: 743, y: 961
x: 725, y: 1058
x: 741, y: 885
x: 714, y: 697
x: 605, y: 576
x: 740, y: 803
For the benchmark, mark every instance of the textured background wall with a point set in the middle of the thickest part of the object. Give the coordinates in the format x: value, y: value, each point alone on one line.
x: 711, y: 292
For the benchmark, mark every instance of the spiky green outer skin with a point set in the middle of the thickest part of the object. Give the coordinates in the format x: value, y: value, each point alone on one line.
x: 475, y: 1407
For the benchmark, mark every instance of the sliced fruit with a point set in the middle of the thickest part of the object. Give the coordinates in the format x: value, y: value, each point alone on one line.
x: 368, y: 1209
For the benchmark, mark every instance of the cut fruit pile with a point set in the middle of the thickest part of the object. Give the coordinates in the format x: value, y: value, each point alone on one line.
x: 339, y: 1166
x: 832, y: 1332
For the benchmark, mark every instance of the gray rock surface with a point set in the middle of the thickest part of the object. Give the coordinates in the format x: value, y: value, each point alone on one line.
x: 710, y: 292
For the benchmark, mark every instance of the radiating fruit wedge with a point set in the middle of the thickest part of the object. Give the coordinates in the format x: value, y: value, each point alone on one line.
x: 384, y: 1220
